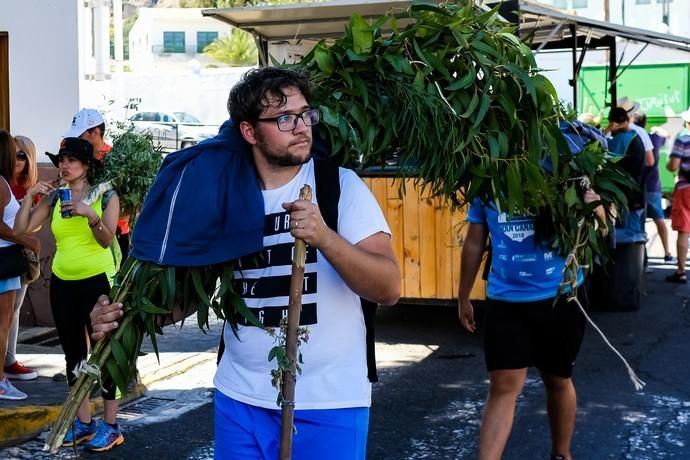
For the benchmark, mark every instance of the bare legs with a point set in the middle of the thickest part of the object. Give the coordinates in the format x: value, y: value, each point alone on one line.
x: 682, y: 248
x: 497, y: 420
x: 663, y: 234
x: 6, y: 314
x: 504, y: 387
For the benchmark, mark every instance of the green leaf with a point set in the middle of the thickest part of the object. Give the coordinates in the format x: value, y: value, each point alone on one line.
x: 118, y: 353
x: 362, y: 36
x: 114, y: 371
x: 464, y: 82
x: 324, y: 60
x: 571, y: 198
x: 483, y: 108
x: 471, y: 107
x: 526, y: 80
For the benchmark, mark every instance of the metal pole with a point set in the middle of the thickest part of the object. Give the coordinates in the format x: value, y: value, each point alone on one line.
x: 573, y: 82
x: 613, y: 70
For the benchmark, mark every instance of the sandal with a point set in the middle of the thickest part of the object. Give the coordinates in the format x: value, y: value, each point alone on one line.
x: 680, y: 278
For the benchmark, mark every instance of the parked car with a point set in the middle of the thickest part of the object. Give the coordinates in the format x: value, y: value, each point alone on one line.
x: 172, y: 130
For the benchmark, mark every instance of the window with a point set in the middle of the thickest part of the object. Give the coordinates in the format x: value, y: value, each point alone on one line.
x: 643, y: 2
x: 560, y: 3
x: 203, y: 39
x: 173, y: 42
x: 579, y: 3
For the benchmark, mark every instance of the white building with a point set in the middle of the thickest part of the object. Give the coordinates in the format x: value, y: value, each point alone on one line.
x: 643, y: 14
x: 169, y: 39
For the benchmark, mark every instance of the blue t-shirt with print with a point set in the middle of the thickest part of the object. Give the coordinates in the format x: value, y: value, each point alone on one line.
x: 521, y: 270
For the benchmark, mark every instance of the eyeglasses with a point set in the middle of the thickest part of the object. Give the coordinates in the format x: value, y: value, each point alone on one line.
x: 288, y: 121
x: 21, y: 156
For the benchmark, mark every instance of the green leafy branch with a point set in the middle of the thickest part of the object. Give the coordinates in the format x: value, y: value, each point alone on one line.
x: 279, y: 353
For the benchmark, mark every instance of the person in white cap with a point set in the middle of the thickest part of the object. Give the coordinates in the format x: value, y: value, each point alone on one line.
x: 680, y: 210
x: 88, y: 124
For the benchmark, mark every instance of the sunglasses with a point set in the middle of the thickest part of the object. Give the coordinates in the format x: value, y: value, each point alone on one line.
x: 21, y: 156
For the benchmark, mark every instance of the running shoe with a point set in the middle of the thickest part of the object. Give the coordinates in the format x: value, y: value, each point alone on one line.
x: 670, y: 260
x: 79, y: 432
x: 18, y: 371
x: 106, y: 437
x: 8, y: 391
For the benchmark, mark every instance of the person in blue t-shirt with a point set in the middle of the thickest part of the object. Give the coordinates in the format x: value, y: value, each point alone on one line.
x: 523, y: 327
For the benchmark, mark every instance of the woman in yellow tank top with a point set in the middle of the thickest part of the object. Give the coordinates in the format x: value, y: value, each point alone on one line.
x: 83, y: 268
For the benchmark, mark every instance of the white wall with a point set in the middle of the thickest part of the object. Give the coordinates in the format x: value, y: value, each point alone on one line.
x: 44, y: 67
x: 644, y: 16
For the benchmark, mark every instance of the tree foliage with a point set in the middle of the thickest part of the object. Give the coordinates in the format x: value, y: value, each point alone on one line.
x: 457, y: 96
x: 238, y: 49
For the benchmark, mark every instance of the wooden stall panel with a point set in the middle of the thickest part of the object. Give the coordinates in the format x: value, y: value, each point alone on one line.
x: 427, y: 240
x: 393, y: 208
x: 444, y: 260
x: 411, y: 251
x: 427, y: 247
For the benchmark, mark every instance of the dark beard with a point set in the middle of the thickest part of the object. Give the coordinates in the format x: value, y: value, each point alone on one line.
x: 284, y: 159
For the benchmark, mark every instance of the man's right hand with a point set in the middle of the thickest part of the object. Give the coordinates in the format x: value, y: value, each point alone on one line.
x: 466, y: 314
x: 105, y: 317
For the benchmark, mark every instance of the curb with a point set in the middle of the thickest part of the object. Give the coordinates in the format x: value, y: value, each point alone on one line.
x: 23, y: 423
x: 19, y: 424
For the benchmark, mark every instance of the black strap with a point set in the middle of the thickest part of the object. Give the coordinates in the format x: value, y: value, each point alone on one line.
x: 327, y: 178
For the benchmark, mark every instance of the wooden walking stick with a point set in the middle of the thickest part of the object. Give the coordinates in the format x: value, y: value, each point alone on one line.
x: 291, y: 341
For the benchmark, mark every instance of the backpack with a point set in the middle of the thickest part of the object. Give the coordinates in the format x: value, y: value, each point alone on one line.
x: 327, y: 181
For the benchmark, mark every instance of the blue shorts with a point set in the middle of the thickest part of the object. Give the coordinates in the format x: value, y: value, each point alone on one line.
x: 245, y: 432
x: 10, y: 284
x: 654, y: 209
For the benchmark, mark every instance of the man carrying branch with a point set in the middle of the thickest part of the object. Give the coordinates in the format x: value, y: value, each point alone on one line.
x: 524, y: 327
x: 271, y: 108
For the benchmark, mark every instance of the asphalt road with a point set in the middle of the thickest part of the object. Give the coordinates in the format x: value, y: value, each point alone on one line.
x: 428, y: 402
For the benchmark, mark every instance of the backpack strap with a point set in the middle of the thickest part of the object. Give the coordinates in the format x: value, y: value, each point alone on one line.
x: 327, y: 179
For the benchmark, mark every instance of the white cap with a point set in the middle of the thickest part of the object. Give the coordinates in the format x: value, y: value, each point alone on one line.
x: 83, y: 120
x: 588, y: 118
x: 685, y: 115
x: 628, y: 105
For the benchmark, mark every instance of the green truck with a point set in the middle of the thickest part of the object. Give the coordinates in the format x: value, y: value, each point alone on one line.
x: 662, y: 90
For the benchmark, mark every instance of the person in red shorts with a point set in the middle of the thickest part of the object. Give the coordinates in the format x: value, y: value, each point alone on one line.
x: 680, y: 211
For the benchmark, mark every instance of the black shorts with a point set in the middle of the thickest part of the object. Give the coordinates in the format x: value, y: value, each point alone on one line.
x: 539, y: 334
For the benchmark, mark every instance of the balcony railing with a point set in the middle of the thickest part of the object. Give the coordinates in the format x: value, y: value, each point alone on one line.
x: 162, y: 49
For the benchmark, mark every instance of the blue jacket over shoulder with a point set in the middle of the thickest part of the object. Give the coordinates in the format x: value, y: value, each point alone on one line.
x: 205, y: 206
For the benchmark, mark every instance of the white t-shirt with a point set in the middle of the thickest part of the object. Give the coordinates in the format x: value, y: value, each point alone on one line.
x: 334, y: 372
x: 646, y: 140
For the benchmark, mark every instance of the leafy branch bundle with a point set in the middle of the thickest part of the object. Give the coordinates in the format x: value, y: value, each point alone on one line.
x: 150, y: 294
x: 458, y: 97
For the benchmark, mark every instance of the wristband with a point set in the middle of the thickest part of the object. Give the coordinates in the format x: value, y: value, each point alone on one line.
x: 96, y: 222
